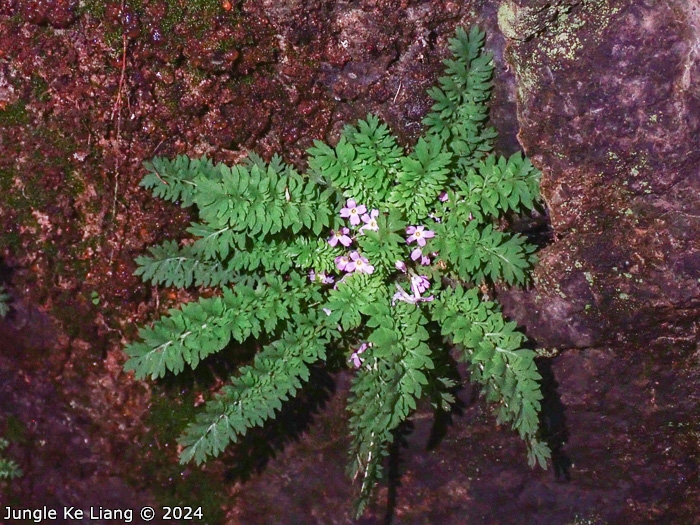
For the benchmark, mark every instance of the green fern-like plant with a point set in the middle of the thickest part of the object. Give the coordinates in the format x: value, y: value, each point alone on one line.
x: 375, y: 256
x: 8, y: 468
x: 4, y: 300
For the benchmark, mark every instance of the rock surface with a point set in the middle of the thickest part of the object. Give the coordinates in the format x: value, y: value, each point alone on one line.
x: 609, y: 107
x: 602, y: 95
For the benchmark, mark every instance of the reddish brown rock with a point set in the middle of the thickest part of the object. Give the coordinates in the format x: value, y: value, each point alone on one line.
x: 606, y: 96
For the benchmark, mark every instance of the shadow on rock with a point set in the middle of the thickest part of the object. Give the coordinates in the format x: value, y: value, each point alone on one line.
x: 553, y: 421
x: 260, y: 445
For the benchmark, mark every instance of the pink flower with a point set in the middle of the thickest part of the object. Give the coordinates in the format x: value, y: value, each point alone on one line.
x: 425, y: 260
x: 401, y: 266
x: 443, y: 197
x: 355, y: 357
x: 419, y: 234
x: 342, y: 262
x: 341, y: 236
x: 370, y: 221
x: 353, y: 211
x: 419, y: 284
x: 416, y: 253
x: 402, y: 295
x: 322, y: 277
x: 359, y: 264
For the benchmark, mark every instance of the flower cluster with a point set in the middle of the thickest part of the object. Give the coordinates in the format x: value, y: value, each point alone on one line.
x: 419, y: 283
x: 354, y: 261
x: 357, y: 214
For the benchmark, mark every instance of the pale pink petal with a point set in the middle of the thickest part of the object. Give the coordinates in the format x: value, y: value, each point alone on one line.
x: 342, y: 262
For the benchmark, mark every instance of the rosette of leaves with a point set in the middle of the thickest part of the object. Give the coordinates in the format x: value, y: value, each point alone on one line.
x: 375, y: 256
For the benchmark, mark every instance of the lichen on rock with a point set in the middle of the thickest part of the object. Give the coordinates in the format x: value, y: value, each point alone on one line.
x: 610, y: 120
